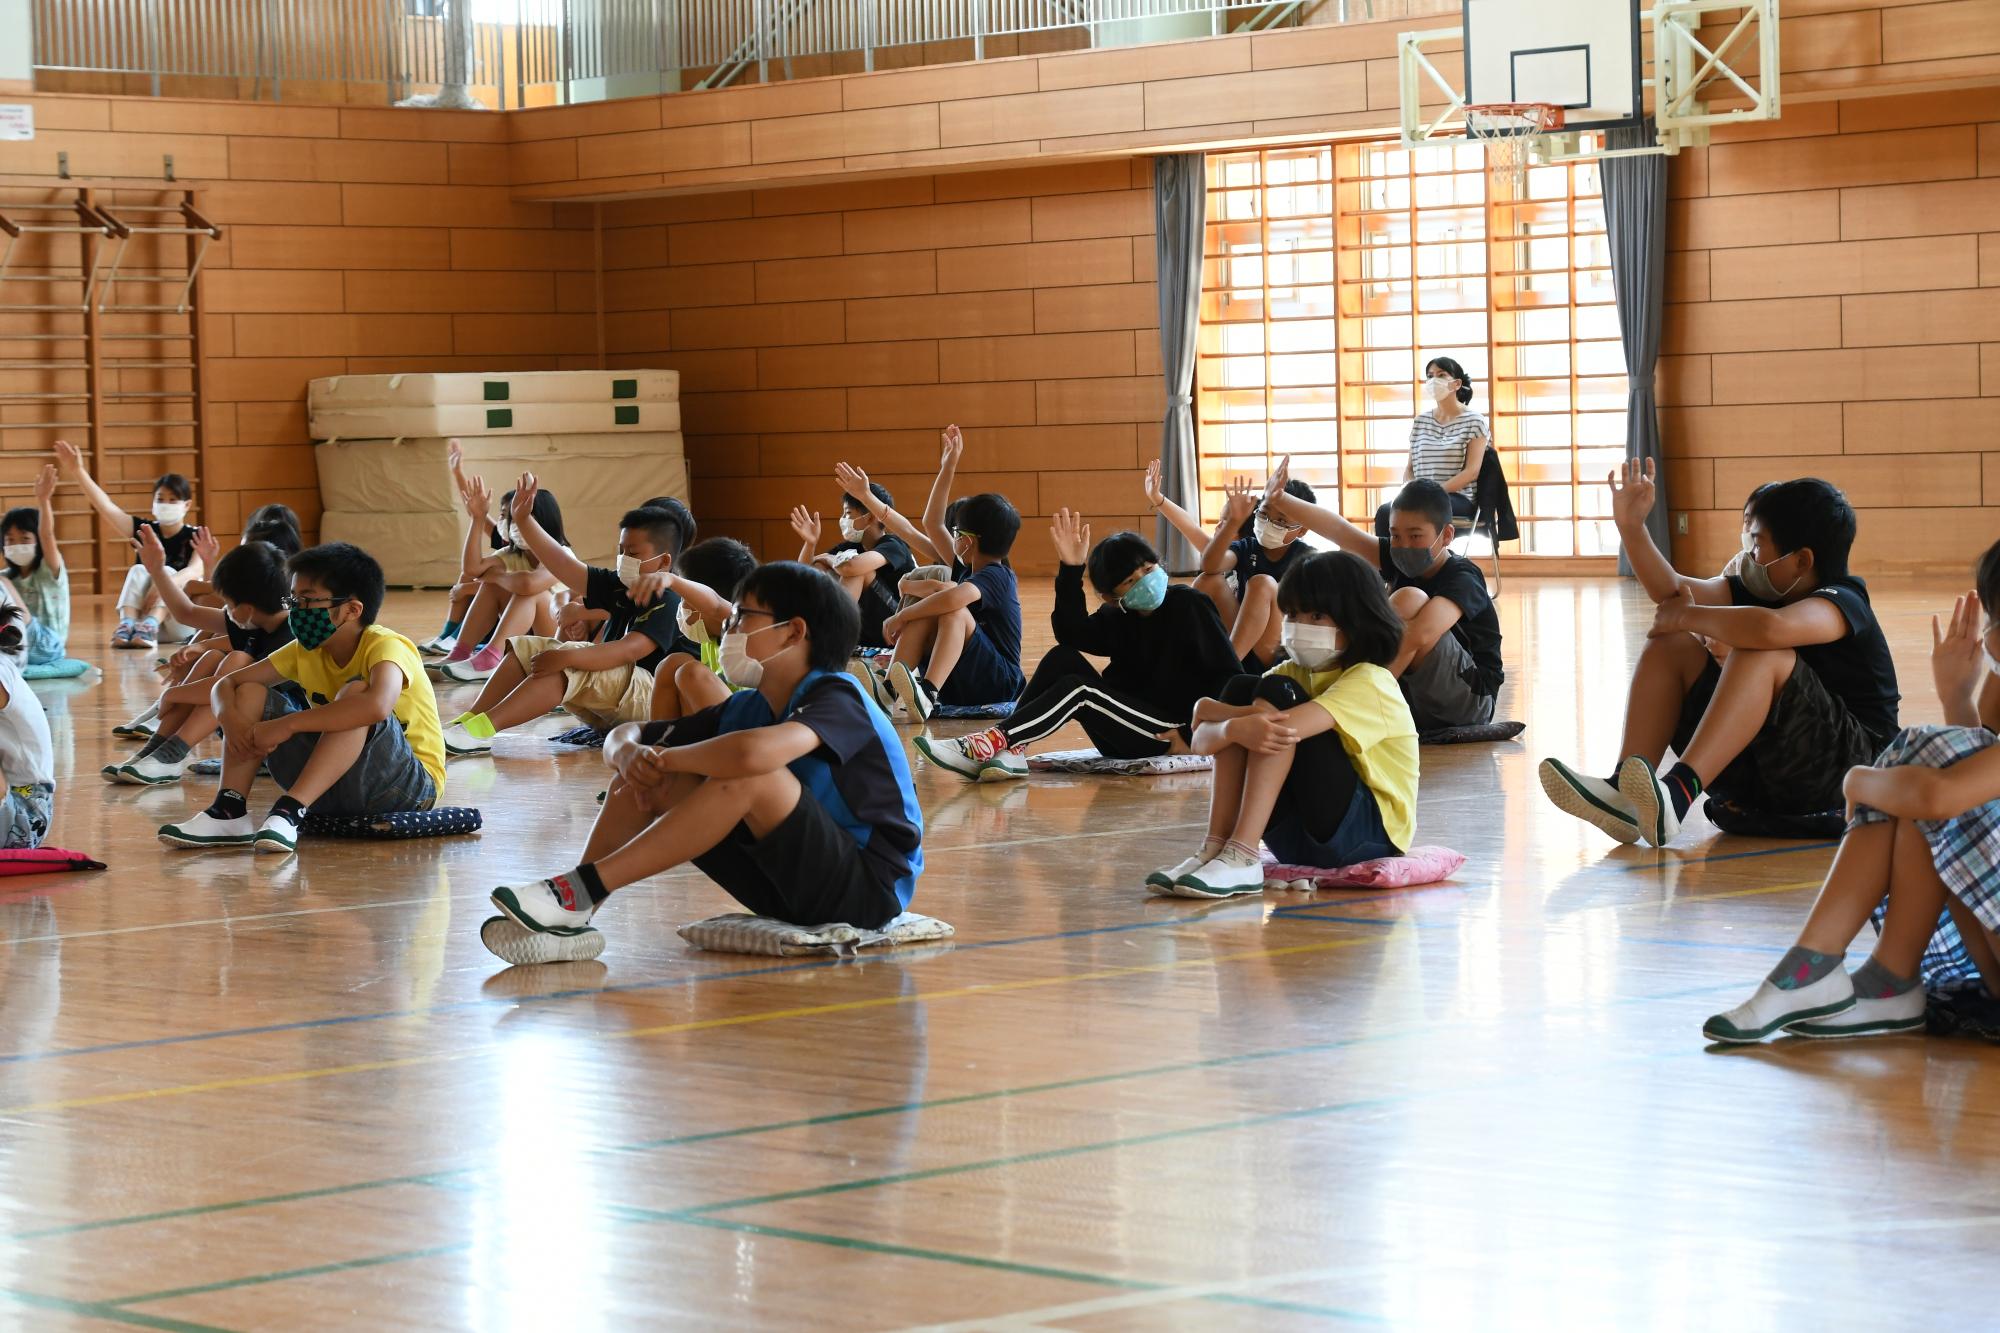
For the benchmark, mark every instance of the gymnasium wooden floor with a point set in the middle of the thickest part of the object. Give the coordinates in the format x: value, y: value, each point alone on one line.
x: 245, y: 1095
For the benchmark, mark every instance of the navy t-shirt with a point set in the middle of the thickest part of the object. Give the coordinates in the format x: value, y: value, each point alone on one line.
x: 659, y: 621
x: 1252, y: 559
x: 998, y: 610
x: 258, y: 644
x: 858, y: 773
x: 881, y: 597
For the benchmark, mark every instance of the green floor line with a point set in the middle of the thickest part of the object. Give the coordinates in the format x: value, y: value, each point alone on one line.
x: 204, y: 1209
x: 260, y: 1279
x: 108, y: 1313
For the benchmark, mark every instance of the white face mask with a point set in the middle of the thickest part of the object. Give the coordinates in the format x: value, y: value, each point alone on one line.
x: 738, y: 667
x: 1270, y: 533
x: 170, y: 511
x: 1757, y: 580
x: 22, y: 555
x: 629, y: 569
x: 507, y: 535
x: 239, y: 615
x: 1437, y: 389
x: 1312, y: 646
x: 691, y: 624
x: 850, y: 528
x: 1991, y: 665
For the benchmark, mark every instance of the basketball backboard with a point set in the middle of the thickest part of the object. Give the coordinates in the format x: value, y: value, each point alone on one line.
x: 1580, y: 55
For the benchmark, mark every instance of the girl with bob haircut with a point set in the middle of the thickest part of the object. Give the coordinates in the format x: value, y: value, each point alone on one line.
x: 1318, y: 758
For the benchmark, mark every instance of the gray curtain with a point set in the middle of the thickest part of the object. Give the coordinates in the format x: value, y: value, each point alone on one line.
x: 1180, y: 207
x: 1635, y: 214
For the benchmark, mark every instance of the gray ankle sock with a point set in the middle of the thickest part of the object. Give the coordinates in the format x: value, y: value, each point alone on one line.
x: 1802, y: 967
x: 152, y: 744
x: 1872, y: 981
x: 169, y: 751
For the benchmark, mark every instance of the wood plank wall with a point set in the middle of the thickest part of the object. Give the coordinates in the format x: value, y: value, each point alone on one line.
x: 355, y: 242
x: 853, y: 322
x: 1834, y: 289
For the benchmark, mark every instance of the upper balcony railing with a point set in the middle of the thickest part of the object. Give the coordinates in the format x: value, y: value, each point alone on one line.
x: 519, y: 53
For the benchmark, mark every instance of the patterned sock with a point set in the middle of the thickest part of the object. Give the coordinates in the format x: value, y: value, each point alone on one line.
x: 1872, y: 981
x: 168, y: 750
x: 228, y: 804
x: 593, y: 884
x: 488, y: 658
x: 1237, y: 854
x: 1683, y: 785
x: 1210, y: 848
x: 1802, y: 967
x: 287, y: 807
x: 479, y: 725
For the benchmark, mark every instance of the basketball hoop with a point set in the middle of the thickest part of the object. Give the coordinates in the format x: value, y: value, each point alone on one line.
x: 1507, y: 129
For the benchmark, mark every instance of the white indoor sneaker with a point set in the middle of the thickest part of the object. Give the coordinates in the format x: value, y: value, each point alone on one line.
x: 1593, y: 800
x: 205, y: 830
x: 559, y: 905
x: 1651, y: 801
x: 438, y: 646
x: 919, y: 699
x: 151, y: 772
x: 460, y: 743
x: 1162, y: 880
x: 1869, y: 1017
x: 1219, y: 878
x: 464, y: 672
x: 1771, y: 1008
x: 277, y: 834
x: 872, y: 684
x: 511, y: 942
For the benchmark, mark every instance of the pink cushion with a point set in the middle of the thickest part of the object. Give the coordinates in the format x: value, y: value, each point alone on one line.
x: 1420, y: 865
x: 40, y: 860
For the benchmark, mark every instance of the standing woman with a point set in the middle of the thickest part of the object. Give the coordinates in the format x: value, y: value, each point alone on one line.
x: 1448, y: 442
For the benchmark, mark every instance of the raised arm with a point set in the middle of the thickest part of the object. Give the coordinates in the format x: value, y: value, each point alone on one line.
x: 940, y: 498
x: 1237, y: 506
x: 855, y: 482
x: 70, y: 460
x: 1183, y: 522
x: 1632, y: 495
x: 558, y: 559
x: 807, y: 524
x: 1958, y: 664
x: 477, y: 498
x: 1318, y: 518
x: 45, y: 501
x: 153, y: 557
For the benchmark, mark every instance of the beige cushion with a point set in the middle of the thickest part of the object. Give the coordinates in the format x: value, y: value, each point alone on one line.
x: 495, y: 388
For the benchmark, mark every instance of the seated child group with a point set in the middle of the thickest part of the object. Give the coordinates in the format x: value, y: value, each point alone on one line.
x: 748, y: 711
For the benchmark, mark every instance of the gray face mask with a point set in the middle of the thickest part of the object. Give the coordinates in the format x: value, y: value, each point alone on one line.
x: 1757, y: 581
x: 1412, y: 561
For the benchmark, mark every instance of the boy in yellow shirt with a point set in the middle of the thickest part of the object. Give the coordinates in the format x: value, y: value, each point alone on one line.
x: 366, y: 740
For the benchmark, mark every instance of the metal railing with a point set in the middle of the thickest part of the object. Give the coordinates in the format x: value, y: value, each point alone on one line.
x: 515, y: 53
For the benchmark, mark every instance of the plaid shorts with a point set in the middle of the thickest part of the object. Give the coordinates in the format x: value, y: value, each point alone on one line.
x: 388, y: 776
x: 1965, y: 848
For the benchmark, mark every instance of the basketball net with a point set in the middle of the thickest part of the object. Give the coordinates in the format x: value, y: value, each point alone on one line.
x: 1508, y: 129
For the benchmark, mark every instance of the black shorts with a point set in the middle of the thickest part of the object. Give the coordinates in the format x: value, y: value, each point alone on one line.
x: 1798, y: 761
x: 808, y: 871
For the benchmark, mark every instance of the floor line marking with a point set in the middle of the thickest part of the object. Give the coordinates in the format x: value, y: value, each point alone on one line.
x: 287, y: 1275
x: 110, y: 1314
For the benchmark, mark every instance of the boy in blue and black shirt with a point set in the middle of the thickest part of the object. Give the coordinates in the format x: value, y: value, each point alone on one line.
x: 793, y: 795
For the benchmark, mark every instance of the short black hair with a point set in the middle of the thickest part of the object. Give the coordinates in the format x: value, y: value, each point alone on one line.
x: 792, y: 591
x: 346, y: 572
x: 878, y: 490
x: 27, y: 518
x: 13, y: 629
x: 254, y: 574
x: 680, y: 511
x: 1750, y: 500
x: 1809, y: 514
x: 1113, y: 560
x: 668, y: 530
x: 1453, y: 369
x: 545, y: 511
x: 1349, y: 591
x: 276, y: 525
x: 1986, y: 581
x: 992, y: 518
x: 1295, y: 488
x: 720, y: 563
x: 1426, y: 498
x: 174, y: 484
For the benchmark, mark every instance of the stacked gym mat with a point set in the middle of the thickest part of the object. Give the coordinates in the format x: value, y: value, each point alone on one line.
x: 601, y: 440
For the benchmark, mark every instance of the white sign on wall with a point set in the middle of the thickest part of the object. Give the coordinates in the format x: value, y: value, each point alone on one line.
x: 17, y: 121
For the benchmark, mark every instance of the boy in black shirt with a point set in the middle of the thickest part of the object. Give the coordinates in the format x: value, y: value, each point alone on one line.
x: 793, y: 795
x: 1449, y: 668
x: 602, y: 683
x: 869, y: 560
x: 1241, y: 565
x: 1806, y: 691
x: 1167, y: 649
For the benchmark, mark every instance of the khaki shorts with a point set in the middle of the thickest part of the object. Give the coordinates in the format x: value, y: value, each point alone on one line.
x: 600, y: 699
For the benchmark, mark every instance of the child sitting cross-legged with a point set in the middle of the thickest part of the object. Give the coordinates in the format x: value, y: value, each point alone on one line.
x: 253, y: 585
x: 601, y: 683
x: 706, y: 579
x: 1317, y: 759
x: 364, y: 741
x: 36, y: 572
x: 793, y: 795
x: 1924, y: 829
x: 1167, y: 651
x: 1806, y: 690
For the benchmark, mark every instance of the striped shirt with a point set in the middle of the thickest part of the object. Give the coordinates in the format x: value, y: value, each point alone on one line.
x: 1438, y: 449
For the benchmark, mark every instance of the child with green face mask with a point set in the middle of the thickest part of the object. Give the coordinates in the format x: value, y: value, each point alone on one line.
x: 1167, y: 650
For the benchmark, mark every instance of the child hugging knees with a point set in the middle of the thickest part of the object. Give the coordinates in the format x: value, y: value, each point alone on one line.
x: 511, y: 592
x: 1318, y: 758
x: 706, y: 579
x: 36, y: 573
x: 1241, y: 562
x: 870, y: 561
x: 1924, y: 829
x: 793, y: 794
x: 27, y: 755
x: 601, y: 683
x: 359, y: 737
x: 1167, y: 651
x: 1806, y: 689
x: 139, y: 600
x: 253, y: 585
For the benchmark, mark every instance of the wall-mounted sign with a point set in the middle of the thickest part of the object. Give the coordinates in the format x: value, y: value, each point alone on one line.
x: 17, y: 121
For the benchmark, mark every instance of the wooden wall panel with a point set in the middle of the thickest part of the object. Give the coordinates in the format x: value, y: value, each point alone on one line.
x: 1833, y: 311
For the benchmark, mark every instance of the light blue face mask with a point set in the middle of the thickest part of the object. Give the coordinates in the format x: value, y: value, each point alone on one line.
x: 1147, y: 594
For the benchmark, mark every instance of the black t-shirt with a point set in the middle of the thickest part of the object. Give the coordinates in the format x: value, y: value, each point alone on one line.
x: 179, y: 547
x: 1856, y: 668
x: 1173, y: 657
x: 1459, y: 582
x: 258, y: 643
x: 998, y: 610
x: 1252, y: 559
x: 880, y: 598
x: 602, y: 591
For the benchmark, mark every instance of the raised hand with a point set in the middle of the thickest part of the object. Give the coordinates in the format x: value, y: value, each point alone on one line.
x: 1151, y: 483
x: 152, y: 555
x: 807, y: 525
x: 70, y: 459
x: 454, y: 453
x: 206, y: 548
x: 1239, y: 501
x: 45, y: 485
x: 1632, y: 492
x: 478, y: 498
x: 525, y: 491
x: 1958, y: 655
x: 954, y: 447
x: 853, y: 481
x: 1072, y: 536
